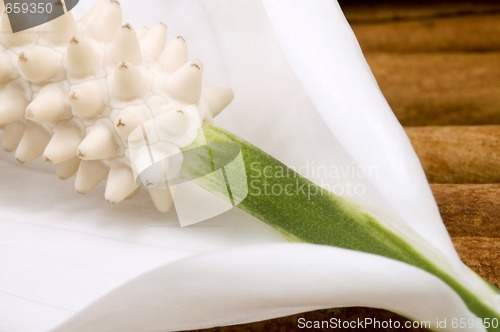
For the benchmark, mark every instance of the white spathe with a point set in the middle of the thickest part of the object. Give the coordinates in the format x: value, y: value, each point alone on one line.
x: 322, y: 49
x: 363, y: 124
x: 61, y: 252
x: 263, y: 282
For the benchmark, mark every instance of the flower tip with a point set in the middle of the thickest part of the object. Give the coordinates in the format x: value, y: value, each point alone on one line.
x: 217, y: 99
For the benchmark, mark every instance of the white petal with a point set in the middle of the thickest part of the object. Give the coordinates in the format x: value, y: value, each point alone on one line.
x: 327, y: 59
x: 239, y: 48
x: 63, y: 251
x: 267, y: 281
x: 60, y: 251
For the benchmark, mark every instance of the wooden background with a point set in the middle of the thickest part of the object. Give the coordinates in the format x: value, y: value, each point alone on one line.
x: 438, y: 64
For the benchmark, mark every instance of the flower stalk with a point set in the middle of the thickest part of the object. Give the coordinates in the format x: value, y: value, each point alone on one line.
x: 312, y: 214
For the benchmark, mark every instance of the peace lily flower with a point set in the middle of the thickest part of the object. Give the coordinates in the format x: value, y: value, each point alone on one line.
x: 306, y: 96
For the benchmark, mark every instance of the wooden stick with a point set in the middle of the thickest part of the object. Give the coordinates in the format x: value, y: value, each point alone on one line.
x: 471, y: 213
x: 449, y: 34
x: 458, y: 154
x: 481, y: 254
x: 440, y: 88
x: 469, y: 209
x: 368, y: 11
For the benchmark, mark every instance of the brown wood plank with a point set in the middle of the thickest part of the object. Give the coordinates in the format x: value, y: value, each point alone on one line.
x: 470, y: 209
x: 481, y: 254
x: 370, y: 11
x: 477, y: 33
x: 440, y: 88
x: 458, y: 154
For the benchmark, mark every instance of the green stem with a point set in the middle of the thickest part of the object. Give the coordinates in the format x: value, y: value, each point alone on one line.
x: 303, y: 211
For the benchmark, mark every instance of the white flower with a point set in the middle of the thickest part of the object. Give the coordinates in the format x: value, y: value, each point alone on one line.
x: 308, y: 100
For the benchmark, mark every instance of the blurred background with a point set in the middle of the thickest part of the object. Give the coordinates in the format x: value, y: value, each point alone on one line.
x: 438, y: 65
